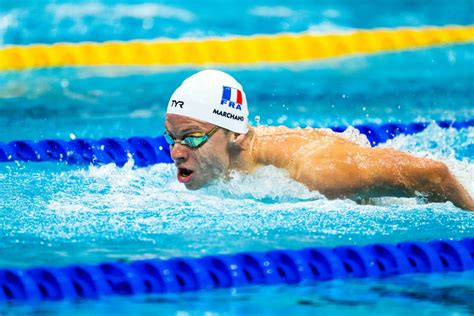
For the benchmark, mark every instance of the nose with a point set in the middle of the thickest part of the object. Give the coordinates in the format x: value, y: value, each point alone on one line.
x: 179, y: 153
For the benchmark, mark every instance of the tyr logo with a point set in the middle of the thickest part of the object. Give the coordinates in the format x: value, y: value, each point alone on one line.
x: 175, y: 103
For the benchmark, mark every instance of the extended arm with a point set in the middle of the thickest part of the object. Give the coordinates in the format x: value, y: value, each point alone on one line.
x: 412, y: 174
x: 344, y: 169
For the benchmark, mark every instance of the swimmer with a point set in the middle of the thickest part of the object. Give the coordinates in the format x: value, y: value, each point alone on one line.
x: 208, y: 132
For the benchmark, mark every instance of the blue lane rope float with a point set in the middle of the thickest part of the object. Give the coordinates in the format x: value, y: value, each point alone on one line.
x: 147, y: 151
x: 176, y: 275
x: 144, y: 150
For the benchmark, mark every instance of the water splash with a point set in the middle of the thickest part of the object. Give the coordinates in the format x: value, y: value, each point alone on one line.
x: 355, y: 136
x: 260, y: 186
x: 453, y: 147
x: 61, y: 214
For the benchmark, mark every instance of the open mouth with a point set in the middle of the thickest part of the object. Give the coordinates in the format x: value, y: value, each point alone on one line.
x: 184, y: 175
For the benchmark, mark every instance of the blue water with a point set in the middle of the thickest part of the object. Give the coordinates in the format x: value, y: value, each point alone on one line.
x: 54, y: 214
x: 30, y: 21
x: 423, y: 84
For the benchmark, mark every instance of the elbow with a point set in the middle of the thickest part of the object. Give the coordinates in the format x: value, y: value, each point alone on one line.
x: 448, y: 188
x: 427, y: 176
x: 439, y: 172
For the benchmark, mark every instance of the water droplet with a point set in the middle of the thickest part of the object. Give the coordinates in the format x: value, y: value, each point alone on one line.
x: 257, y: 120
x: 282, y: 119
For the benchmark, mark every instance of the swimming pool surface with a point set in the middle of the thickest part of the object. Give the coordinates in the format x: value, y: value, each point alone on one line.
x: 55, y: 214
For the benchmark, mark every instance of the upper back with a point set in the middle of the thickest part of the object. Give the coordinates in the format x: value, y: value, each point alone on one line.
x: 277, y: 145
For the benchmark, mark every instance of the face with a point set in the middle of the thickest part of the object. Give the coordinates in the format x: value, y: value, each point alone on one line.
x: 198, y: 166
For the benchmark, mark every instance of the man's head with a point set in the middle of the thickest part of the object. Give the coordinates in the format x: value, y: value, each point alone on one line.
x: 213, y: 102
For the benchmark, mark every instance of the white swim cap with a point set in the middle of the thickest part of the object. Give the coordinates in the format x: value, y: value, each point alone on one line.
x: 214, y: 97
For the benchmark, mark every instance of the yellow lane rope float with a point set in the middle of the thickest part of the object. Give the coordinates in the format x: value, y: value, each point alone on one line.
x: 230, y: 51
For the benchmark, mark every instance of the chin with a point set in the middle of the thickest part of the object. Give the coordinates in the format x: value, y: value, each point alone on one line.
x: 196, y: 184
x: 193, y: 185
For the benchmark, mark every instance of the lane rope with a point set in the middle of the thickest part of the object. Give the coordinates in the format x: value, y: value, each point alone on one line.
x: 230, y: 51
x: 146, y: 151
x: 82, y: 281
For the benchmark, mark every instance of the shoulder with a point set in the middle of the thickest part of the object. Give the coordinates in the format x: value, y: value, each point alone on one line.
x: 307, y: 132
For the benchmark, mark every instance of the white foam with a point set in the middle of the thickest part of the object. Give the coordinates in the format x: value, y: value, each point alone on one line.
x: 441, y: 144
x: 7, y: 21
x: 353, y: 134
x: 151, y: 10
x: 140, y: 11
x: 260, y: 186
x: 141, y: 113
x: 327, y: 27
x: 69, y: 10
x: 273, y: 11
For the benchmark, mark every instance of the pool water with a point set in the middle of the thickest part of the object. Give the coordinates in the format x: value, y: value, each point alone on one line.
x: 55, y: 214
x: 30, y: 21
x: 68, y: 214
x: 423, y: 85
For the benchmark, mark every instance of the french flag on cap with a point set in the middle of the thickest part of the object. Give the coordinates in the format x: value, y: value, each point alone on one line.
x: 232, y: 97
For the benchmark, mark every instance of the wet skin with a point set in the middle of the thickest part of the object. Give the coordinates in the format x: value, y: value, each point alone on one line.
x: 320, y: 159
x: 197, y: 167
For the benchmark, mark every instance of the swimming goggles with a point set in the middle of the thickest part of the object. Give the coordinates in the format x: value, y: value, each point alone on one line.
x: 193, y: 140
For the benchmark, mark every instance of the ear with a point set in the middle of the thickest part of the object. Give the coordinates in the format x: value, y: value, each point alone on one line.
x: 238, y: 141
